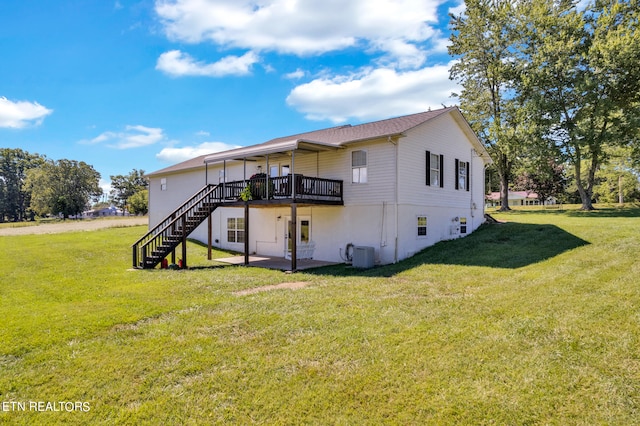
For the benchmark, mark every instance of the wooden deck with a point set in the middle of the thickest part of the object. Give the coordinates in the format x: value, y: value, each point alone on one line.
x: 281, y: 190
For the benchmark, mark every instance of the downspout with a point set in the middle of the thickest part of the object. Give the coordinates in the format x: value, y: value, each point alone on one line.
x: 397, y: 168
x: 470, y: 177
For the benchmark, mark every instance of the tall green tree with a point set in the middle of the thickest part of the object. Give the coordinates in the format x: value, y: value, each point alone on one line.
x: 125, y: 186
x: 585, y: 93
x: 138, y: 203
x: 482, y: 42
x: 14, y: 197
x: 63, y: 187
x: 619, y: 179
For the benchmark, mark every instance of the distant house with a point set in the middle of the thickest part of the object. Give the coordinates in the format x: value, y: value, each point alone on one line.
x: 387, y: 189
x: 103, y: 212
x: 518, y: 198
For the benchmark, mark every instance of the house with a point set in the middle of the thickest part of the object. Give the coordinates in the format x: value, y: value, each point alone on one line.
x: 518, y: 198
x: 105, y: 211
x: 379, y: 191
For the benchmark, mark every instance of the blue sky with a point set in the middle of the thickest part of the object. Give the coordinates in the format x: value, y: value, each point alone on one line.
x: 145, y: 84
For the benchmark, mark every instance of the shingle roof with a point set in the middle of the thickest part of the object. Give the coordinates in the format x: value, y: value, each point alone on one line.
x: 333, y: 136
x: 344, y: 134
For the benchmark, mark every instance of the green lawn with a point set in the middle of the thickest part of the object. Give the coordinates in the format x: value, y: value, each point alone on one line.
x: 535, y: 321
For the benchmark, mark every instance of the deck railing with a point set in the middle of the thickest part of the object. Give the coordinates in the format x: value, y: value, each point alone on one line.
x: 305, y: 188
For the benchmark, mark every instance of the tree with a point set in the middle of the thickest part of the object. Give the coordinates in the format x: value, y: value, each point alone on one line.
x: 138, y: 203
x: 124, y: 186
x: 582, y: 78
x: 545, y: 179
x: 63, y: 187
x: 14, y: 198
x: 482, y: 40
x: 617, y: 181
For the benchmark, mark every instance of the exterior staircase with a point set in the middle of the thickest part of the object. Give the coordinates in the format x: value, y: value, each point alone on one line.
x: 163, y: 239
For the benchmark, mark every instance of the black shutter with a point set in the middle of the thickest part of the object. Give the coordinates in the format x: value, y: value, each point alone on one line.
x: 428, y: 179
x: 441, y: 171
x: 457, y: 173
x: 468, y: 176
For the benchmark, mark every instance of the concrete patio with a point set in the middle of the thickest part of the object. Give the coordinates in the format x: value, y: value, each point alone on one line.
x: 279, y: 263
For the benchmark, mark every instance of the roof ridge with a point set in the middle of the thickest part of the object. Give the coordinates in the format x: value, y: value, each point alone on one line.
x: 360, y: 125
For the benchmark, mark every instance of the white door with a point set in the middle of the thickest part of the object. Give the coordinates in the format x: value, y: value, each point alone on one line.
x: 303, y: 233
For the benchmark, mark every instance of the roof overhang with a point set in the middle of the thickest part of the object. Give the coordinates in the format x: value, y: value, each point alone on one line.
x: 256, y: 152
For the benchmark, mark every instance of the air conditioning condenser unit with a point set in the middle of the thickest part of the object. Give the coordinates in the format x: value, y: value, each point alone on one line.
x: 363, y: 257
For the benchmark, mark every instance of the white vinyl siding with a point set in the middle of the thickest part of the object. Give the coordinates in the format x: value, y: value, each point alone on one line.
x: 444, y: 137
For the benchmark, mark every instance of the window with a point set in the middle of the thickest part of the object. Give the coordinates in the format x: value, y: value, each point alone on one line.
x: 284, y: 170
x: 463, y: 225
x: 304, y: 231
x: 235, y: 230
x: 221, y: 176
x: 273, y: 171
x: 359, y: 167
x: 422, y: 226
x: 435, y: 172
x: 462, y: 175
x: 163, y: 184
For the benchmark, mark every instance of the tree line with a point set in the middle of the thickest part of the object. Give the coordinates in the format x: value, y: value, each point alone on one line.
x: 549, y: 86
x: 32, y: 185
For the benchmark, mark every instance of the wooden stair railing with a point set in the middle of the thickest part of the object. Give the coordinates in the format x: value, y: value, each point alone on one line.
x: 160, y: 241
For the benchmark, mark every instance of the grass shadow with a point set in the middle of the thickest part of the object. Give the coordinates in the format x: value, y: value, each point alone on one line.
x: 508, y: 245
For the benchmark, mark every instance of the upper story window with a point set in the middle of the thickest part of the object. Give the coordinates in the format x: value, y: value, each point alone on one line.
x: 359, y: 167
x: 435, y: 170
x: 462, y: 175
x: 163, y: 184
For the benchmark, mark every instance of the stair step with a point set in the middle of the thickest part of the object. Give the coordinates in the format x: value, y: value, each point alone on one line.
x: 194, y: 211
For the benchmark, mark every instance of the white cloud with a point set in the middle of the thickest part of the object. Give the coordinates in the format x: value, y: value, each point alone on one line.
x: 374, y: 93
x: 105, y: 185
x: 176, y: 155
x: 303, y: 27
x: 177, y: 63
x: 132, y: 137
x: 202, y: 133
x: 297, y: 74
x: 20, y: 114
x: 459, y: 9
x: 403, y: 55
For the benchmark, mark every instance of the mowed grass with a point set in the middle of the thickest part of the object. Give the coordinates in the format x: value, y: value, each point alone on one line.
x: 535, y: 321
